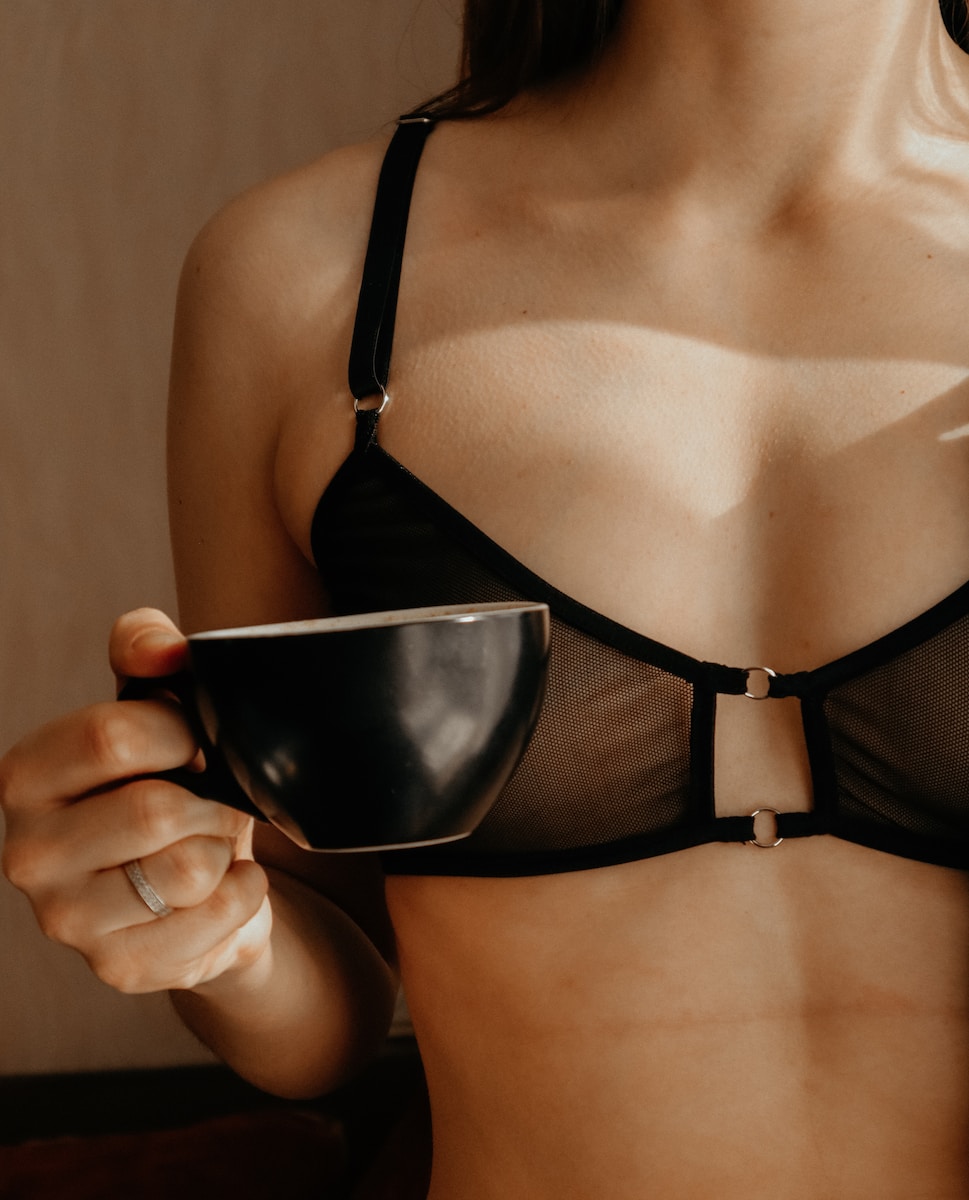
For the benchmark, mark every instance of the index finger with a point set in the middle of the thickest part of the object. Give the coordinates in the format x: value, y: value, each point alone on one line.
x: 92, y: 749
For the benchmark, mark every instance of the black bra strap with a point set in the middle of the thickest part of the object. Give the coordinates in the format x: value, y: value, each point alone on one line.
x: 373, y: 332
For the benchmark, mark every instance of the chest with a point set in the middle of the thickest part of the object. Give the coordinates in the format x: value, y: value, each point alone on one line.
x: 773, y: 467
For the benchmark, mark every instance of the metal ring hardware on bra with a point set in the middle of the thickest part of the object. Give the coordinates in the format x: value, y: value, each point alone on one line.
x: 384, y: 401
x: 765, y: 675
x: 755, y: 840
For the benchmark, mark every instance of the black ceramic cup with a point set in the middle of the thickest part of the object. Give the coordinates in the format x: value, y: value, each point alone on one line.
x: 364, y: 732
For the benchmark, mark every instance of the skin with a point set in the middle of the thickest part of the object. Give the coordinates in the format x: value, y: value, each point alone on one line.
x: 711, y: 379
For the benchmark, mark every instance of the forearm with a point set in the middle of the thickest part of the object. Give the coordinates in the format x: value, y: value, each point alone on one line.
x: 316, y: 1004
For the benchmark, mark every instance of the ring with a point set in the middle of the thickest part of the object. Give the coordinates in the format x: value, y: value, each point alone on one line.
x: 144, y: 889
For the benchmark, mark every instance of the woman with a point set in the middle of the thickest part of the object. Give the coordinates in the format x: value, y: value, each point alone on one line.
x: 681, y: 328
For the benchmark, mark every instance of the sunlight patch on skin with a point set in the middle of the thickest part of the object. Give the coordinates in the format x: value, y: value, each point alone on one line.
x: 952, y: 434
x: 704, y: 425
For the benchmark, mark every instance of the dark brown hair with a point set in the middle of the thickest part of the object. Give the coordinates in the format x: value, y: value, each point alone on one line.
x: 511, y: 45
x: 956, y: 17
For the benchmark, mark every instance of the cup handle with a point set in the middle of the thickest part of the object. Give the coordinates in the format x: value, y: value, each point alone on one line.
x: 216, y: 781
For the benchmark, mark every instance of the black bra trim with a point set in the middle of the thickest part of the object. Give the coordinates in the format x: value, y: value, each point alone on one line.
x: 738, y: 830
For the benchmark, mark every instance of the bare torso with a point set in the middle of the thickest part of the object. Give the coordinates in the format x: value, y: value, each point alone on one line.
x: 752, y: 445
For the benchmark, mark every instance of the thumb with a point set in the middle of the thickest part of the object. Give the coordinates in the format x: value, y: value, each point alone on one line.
x: 145, y: 643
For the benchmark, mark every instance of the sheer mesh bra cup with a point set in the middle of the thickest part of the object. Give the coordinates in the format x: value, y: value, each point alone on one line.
x: 620, y: 766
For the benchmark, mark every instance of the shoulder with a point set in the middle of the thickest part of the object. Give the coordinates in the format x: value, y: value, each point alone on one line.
x: 265, y: 311
x: 283, y: 257
x: 311, y: 217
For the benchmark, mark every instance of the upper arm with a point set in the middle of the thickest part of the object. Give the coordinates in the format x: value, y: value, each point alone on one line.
x: 235, y: 560
x: 265, y: 308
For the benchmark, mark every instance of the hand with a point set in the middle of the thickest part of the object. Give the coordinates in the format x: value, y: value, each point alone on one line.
x: 80, y: 802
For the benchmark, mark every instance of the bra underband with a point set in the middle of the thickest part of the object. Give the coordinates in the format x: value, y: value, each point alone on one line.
x: 620, y: 766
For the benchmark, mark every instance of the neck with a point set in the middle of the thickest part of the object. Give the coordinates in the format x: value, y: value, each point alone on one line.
x: 763, y: 97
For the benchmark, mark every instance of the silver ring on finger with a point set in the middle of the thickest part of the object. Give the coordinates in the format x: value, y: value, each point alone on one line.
x: 144, y: 889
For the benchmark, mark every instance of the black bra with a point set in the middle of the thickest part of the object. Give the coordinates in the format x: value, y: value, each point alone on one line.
x: 621, y: 763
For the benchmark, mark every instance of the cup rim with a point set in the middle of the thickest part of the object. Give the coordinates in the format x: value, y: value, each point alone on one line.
x: 457, y: 613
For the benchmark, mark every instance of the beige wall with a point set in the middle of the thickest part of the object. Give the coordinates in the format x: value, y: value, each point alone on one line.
x: 123, y: 125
